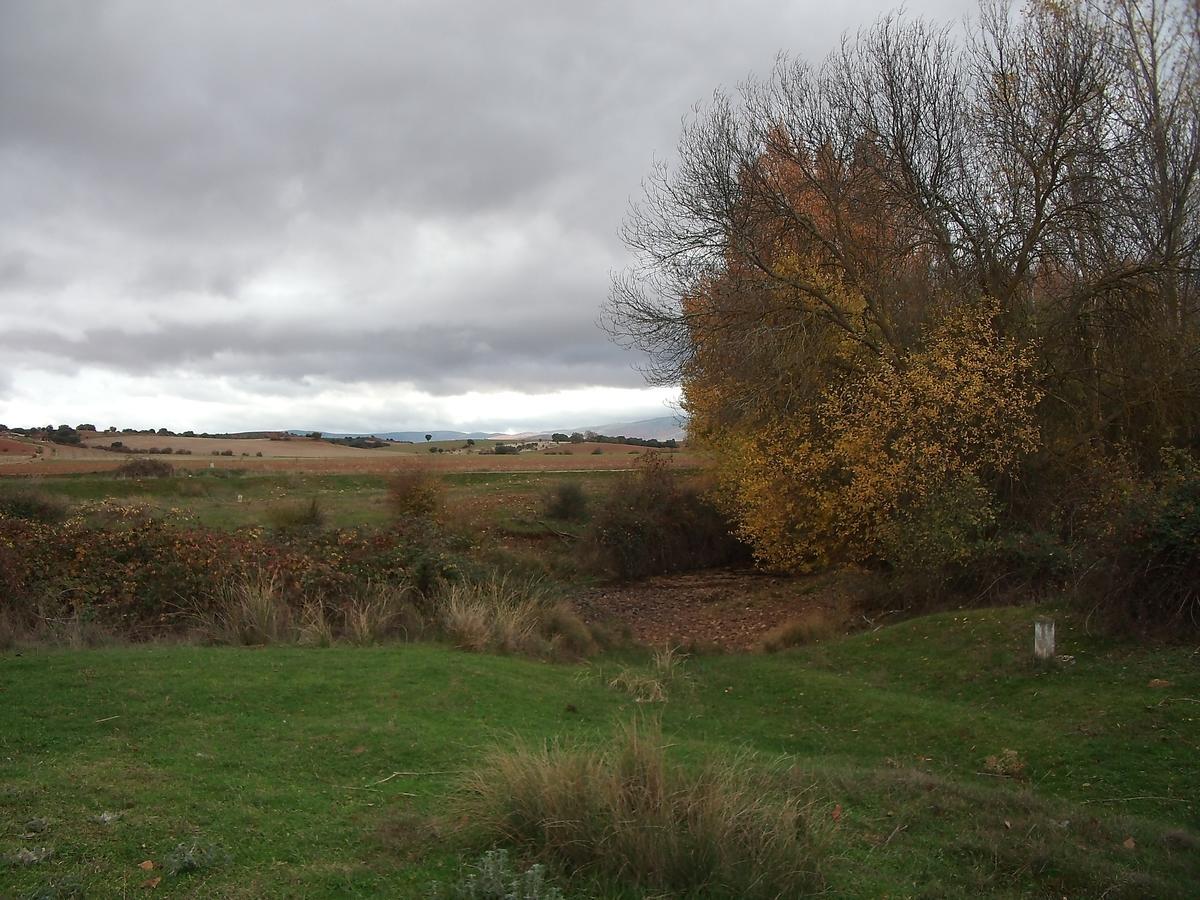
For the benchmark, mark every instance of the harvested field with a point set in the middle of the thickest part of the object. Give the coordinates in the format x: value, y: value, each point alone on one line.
x: 288, y: 456
x: 15, y: 451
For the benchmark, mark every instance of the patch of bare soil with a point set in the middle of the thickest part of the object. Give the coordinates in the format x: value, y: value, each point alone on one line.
x: 730, y: 609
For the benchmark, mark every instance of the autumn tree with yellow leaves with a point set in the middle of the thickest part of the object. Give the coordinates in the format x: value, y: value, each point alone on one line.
x: 919, y: 294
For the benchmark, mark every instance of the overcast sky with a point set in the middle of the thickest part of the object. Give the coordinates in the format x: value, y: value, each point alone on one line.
x: 352, y: 216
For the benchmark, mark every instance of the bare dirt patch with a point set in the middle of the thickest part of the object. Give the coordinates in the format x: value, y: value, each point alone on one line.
x: 729, y: 609
x: 11, y: 450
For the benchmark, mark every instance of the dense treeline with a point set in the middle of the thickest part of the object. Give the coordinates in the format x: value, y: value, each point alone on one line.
x: 934, y: 303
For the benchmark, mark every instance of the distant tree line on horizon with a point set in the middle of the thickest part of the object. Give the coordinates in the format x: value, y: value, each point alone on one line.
x: 591, y: 437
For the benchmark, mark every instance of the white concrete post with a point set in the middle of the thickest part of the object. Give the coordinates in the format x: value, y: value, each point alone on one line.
x: 1043, y: 638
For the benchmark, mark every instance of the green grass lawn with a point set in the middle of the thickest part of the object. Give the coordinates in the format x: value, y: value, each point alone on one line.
x: 282, y: 757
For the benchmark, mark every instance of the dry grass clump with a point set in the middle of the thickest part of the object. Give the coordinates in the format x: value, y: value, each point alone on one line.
x: 508, y: 614
x: 730, y: 829
x: 1006, y: 763
x: 382, y: 611
x: 498, y: 613
x: 667, y: 672
x: 249, y: 611
x: 315, y: 628
x: 568, y: 634
x: 812, y: 625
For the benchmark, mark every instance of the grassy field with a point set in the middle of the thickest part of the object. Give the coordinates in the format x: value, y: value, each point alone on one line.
x: 284, y: 758
x: 26, y: 458
x: 224, y: 498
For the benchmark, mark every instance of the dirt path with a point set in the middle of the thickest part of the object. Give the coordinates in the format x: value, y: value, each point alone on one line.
x: 729, y: 609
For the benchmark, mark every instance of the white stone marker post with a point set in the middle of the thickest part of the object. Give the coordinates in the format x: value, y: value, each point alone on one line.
x: 1043, y: 638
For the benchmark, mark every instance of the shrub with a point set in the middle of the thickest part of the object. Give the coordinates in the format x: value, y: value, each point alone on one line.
x: 11, y: 629
x: 416, y: 494
x: 145, y: 468
x: 567, y: 501
x: 728, y: 830
x: 1149, y: 572
x: 32, y: 505
x: 652, y: 522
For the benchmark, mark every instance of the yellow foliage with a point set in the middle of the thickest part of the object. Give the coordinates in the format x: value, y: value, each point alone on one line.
x: 892, y: 448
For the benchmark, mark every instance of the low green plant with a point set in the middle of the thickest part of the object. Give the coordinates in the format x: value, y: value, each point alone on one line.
x: 196, y: 856
x: 494, y: 878
x: 68, y: 888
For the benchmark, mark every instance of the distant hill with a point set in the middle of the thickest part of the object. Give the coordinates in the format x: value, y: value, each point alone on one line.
x: 663, y: 428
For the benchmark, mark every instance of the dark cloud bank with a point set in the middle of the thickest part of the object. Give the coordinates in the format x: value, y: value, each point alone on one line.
x: 365, y: 192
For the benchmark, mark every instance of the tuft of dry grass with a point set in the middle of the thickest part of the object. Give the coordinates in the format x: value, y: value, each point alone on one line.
x: 812, y: 625
x: 1007, y: 764
x: 380, y: 611
x: 499, y: 613
x: 509, y: 614
x: 249, y: 611
x: 570, y: 637
x: 667, y: 672
x: 733, y: 828
x: 315, y: 629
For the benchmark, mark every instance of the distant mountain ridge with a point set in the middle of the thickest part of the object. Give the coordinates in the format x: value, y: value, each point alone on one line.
x: 663, y: 428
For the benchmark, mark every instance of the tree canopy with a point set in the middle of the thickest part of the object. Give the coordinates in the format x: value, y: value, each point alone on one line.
x: 941, y: 280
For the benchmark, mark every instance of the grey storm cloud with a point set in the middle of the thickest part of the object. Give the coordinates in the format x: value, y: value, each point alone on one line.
x: 368, y: 191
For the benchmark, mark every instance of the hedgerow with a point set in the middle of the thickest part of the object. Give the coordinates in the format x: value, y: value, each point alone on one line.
x: 152, y: 576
